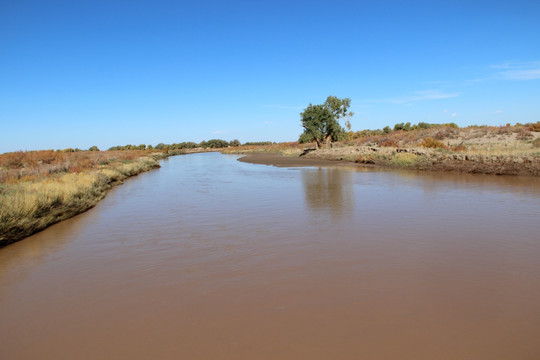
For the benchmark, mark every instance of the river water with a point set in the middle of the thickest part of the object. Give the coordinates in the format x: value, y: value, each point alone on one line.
x: 211, y: 258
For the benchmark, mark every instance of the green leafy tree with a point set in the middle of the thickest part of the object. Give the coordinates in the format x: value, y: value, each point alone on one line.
x: 93, y: 148
x: 321, y: 122
x: 305, y: 138
x: 217, y: 143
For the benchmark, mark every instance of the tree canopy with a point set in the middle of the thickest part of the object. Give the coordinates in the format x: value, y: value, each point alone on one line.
x: 321, y: 122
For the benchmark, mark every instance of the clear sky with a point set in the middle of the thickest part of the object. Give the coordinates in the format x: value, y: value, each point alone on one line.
x: 82, y: 73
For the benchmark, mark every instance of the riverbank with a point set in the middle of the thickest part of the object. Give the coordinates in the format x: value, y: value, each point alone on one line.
x: 406, y: 158
x: 507, y: 150
x: 434, y: 159
x: 47, y: 187
x: 280, y: 160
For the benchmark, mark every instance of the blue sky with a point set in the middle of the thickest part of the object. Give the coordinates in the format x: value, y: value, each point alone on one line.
x: 83, y: 73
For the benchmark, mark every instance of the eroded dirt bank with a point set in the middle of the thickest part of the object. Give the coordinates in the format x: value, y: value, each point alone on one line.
x: 288, y: 161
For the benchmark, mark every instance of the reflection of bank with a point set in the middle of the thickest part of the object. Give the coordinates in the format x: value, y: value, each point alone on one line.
x: 17, y: 259
x: 329, y: 191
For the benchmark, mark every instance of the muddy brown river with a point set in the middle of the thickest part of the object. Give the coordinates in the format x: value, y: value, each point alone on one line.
x: 211, y: 258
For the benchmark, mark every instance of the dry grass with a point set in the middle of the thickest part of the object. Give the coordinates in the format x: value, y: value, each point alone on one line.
x: 432, y: 143
x: 535, y: 127
x: 42, y: 188
x: 30, y: 165
x: 404, y: 159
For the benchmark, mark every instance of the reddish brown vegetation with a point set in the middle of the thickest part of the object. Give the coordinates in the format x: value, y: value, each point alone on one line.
x: 444, y: 134
x: 432, y: 143
x: 535, y: 127
x: 27, y: 165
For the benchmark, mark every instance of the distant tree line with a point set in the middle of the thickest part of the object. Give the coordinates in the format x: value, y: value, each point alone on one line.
x: 210, y: 144
x: 259, y: 143
x: 131, y: 147
x: 205, y: 144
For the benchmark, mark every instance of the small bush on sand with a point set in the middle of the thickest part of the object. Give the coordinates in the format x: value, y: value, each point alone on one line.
x: 432, y: 143
x: 458, y: 148
x: 535, y: 127
x: 446, y: 133
x: 386, y: 142
x: 524, y: 134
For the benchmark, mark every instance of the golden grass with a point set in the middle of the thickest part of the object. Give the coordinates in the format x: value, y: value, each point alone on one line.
x: 428, y: 142
x: 404, y: 159
x: 513, y: 149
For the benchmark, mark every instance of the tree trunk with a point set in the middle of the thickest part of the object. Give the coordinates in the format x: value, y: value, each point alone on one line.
x: 328, y: 141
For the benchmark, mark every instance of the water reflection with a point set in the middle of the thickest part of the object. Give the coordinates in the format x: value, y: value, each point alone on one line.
x: 435, y: 181
x: 34, y: 250
x: 329, y: 191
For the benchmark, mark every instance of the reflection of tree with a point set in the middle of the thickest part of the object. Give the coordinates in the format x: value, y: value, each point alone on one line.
x: 329, y: 191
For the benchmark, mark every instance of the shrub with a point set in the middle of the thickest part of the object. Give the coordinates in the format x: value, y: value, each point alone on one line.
x: 402, y: 126
x: 524, y: 134
x: 504, y: 130
x: 423, y: 125
x: 386, y: 142
x: 432, y: 143
x: 536, y: 143
x: 446, y: 133
x: 535, y: 127
x: 258, y: 143
x: 458, y: 148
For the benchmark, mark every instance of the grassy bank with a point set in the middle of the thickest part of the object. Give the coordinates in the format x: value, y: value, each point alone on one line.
x: 40, y: 188
x: 430, y: 159
x: 504, y: 150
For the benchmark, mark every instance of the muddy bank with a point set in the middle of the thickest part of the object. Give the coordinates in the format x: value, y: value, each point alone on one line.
x: 415, y: 159
x: 286, y: 161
